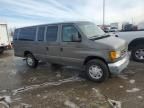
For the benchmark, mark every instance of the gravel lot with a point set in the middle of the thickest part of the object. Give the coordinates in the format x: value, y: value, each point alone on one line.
x: 66, y: 87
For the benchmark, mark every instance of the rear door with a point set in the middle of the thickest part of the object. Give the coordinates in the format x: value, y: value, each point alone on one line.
x: 52, y: 44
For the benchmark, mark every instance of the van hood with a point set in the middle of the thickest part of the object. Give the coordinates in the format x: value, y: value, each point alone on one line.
x: 112, y: 42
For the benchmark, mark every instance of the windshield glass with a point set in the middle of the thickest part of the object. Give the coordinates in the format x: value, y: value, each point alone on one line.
x: 91, y: 30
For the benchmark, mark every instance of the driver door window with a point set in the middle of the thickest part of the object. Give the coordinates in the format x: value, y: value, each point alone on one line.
x: 67, y: 32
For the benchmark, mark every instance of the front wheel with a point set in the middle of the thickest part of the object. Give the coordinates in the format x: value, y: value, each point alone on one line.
x: 31, y: 61
x: 138, y: 53
x: 97, y: 70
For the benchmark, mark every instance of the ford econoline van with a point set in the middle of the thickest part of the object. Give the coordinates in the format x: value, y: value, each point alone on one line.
x: 80, y: 44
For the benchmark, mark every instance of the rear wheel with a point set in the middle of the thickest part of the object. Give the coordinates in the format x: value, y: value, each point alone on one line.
x: 31, y: 61
x: 138, y: 53
x: 97, y: 70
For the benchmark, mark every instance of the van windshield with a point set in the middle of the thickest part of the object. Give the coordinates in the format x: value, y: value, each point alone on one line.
x: 91, y: 30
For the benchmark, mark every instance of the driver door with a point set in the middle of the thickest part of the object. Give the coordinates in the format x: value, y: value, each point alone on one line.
x: 70, y: 50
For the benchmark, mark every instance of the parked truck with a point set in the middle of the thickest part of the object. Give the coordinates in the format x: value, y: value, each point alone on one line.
x: 4, y: 39
x: 135, y: 40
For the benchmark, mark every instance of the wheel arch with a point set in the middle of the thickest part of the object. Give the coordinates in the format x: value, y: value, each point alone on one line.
x: 93, y: 57
x: 135, y: 42
x: 27, y: 52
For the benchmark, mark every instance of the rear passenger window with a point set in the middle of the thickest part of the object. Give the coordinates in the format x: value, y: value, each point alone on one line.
x: 51, y: 34
x: 27, y: 34
x: 41, y: 32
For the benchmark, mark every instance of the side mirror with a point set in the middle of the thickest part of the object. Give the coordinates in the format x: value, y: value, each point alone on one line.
x: 76, y: 37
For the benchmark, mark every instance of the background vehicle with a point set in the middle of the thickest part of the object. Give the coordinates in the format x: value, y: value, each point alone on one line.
x: 4, y: 39
x: 80, y: 44
x: 135, y: 40
x: 113, y: 29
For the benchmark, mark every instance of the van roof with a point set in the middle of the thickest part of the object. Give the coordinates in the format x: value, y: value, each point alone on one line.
x: 70, y: 22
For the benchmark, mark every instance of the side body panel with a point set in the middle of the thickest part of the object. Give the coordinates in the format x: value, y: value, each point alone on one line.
x: 21, y: 46
x: 42, y: 50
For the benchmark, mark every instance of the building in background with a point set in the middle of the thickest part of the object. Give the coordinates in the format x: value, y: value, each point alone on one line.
x: 126, y: 26
x: 141, y: 26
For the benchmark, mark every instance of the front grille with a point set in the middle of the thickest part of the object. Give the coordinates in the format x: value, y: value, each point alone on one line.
x: 123, y: 52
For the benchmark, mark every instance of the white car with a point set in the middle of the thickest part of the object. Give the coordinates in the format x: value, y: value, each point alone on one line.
x: 135, y: 40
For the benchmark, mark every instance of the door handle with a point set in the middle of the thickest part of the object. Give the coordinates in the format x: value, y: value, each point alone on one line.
x: 61, y: 49
x: 47, y: 48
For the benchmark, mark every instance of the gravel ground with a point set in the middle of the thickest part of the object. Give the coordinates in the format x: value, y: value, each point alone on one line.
x: 66, y: 87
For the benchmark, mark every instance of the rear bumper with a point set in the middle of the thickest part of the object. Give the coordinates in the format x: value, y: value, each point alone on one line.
x: 6, y: 47
x: 118, y: 67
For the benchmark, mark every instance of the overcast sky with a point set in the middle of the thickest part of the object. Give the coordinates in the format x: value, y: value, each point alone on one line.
x: 30, y: 12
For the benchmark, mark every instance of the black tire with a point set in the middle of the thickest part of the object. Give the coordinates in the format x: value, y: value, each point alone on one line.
x: 34, y: 62
x: 1, y: 50
x: 101, y: 65
x: 134, y: 53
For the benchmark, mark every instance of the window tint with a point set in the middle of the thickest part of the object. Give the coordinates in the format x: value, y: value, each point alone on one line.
x: 51, y: 34
x: 41, y: 32
x: 68, y: 32
x: 27, y: 34
x: 16, y: 34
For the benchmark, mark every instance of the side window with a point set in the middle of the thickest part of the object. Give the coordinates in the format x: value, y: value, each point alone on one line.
x: 51, y: 33
x: 41, y: 32
x: 15, y: 34
x: 67, y: 32
x: 27, y: 34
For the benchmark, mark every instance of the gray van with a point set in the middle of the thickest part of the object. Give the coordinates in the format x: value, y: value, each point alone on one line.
x: 80, y: 43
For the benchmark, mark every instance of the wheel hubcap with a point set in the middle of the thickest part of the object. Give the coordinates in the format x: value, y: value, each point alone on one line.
x: 30, y: 61
x: 95, y: 72
x: 140, y: 54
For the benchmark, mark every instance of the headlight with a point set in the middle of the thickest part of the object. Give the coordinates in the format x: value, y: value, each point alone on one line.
x: 114, y: 55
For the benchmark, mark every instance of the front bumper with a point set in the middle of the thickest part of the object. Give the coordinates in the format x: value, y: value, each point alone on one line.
x: 118, y: 67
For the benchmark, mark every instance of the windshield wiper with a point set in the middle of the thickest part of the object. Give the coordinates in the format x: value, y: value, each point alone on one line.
x: 94, y: 37
x: 99, y: 37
